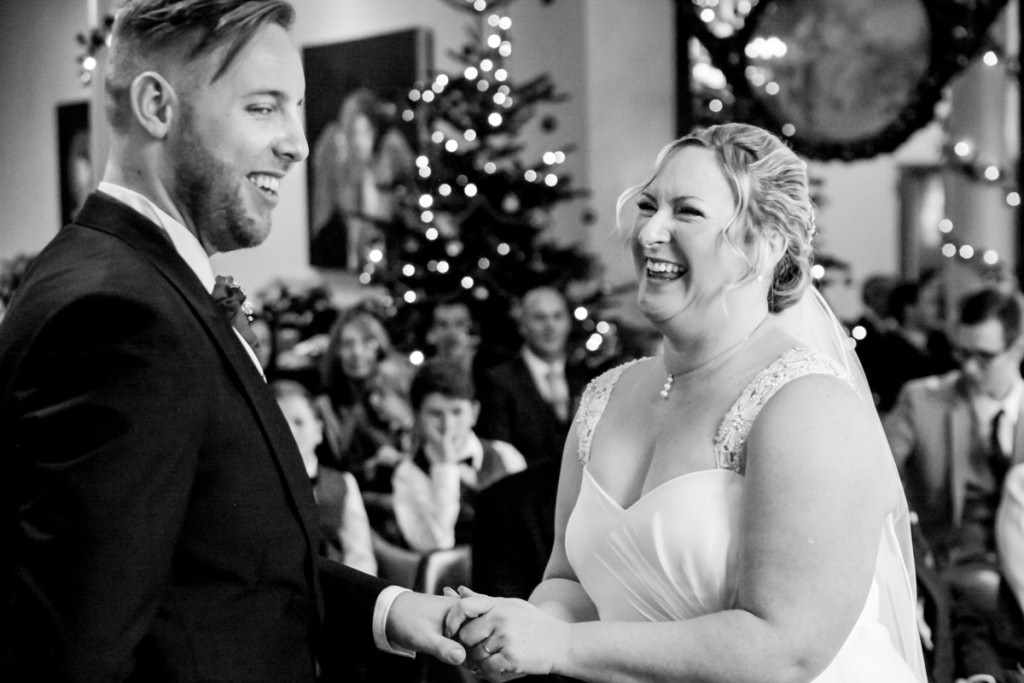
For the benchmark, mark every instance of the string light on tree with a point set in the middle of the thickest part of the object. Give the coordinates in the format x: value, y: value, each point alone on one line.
x: 475, y: 197
x: 962, y: 155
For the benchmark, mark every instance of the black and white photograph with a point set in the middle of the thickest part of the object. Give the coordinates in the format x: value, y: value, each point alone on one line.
x: 459, y: 341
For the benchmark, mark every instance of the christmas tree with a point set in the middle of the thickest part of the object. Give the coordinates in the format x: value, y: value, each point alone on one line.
x: 474, y: 213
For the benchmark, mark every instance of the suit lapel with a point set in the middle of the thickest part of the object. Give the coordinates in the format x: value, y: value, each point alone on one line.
x: 959, y: 444
x: 116, y: 219
x: 526, y: 378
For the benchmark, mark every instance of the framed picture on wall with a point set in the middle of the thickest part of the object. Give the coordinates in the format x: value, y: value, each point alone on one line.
x: 361, y: 151
x: 76, y: 172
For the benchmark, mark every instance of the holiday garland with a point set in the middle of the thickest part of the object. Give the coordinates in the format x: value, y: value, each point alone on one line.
x: 957, y: 33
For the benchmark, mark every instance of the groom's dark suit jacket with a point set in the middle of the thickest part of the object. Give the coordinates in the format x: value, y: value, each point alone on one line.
x: 159, y: 522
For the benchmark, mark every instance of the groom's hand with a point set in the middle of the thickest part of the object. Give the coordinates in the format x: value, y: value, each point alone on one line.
x: 415, y: 622
x: 469, y: 606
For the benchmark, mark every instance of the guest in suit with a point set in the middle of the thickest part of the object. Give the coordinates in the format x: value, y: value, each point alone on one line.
x: 871, y: 327
x: 344, y: 526
x: 159, y: 523
x: 528, y: 401
x: 955, y: 435
x: 913, y: 348
x: 435, y: 489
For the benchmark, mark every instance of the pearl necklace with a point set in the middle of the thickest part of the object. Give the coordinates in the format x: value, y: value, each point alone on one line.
x: 670, y: 378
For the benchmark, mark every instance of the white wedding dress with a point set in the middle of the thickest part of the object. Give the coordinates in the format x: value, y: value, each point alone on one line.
x: 673, y: 555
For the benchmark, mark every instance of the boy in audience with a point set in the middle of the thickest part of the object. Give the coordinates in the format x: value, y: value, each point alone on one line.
x: 434, y: 489
x: 345, y: 530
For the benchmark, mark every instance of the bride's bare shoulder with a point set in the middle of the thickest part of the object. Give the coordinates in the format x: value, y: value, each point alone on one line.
x: 625, y: 375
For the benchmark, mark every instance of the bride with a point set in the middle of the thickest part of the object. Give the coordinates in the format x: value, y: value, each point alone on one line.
x: 728, y: 510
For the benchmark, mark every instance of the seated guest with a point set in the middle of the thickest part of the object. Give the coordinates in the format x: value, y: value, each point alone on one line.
x: 514, y: 530
x: 357, y: 361
x: 529, y: 400
x: 435, y: 488
x: 913, y: 348
x: 345, y: 531
x: 453, y: 334
x: 871, y: 328
x: 955, y: 435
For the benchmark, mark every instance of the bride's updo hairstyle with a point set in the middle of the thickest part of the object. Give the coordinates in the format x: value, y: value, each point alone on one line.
x: 769, y: 185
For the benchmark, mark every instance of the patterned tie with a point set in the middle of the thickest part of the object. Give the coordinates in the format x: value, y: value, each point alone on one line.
x: 231, y: 300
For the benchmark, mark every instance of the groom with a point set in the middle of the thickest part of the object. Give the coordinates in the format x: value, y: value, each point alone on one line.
x: 158, y: 520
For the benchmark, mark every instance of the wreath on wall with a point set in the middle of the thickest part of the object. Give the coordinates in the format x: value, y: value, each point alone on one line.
x: 839, y: 79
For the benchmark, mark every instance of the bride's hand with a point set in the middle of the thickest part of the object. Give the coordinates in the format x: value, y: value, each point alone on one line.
x: 506, y: 638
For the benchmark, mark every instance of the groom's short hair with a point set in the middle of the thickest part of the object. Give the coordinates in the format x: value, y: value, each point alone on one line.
x: 148, y: 33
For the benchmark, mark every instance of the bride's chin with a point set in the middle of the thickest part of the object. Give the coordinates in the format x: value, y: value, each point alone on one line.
x: 659, y: 312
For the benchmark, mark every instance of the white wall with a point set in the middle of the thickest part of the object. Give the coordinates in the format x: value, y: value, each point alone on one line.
x: 630, y: 95
x: 860, y: 219
x: 37, y: 71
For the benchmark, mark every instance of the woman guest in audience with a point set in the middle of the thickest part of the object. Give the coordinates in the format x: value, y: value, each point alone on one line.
x: 435, y: 488
x: 365, y: 411
x: 728, y: 510
x: 345, y: 529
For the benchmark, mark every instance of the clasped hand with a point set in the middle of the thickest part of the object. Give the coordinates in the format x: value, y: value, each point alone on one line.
x: 505, y: 638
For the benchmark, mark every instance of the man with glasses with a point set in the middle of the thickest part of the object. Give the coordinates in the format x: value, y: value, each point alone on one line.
x: 954, y: 436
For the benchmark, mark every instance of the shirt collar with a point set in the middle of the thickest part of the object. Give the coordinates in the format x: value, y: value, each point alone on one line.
x: 185, y: 243
x: 986, y: 406
x: 539, y: 367
x: 472, y: 454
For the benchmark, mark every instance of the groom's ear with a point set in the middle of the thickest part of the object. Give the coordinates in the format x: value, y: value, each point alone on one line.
x: 154, y: 103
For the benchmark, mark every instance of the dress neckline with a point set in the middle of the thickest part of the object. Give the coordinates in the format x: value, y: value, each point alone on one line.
x: 647, y: 494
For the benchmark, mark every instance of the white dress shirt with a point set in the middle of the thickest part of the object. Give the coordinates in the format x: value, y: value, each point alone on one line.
x: 985, y: 409
x: 191, y: 251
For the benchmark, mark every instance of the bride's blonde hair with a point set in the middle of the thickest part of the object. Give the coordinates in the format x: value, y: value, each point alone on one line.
x: 770, y: 188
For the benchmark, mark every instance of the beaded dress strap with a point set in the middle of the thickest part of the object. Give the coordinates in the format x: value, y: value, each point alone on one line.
x: 731, y: 437
x: 592, y: 405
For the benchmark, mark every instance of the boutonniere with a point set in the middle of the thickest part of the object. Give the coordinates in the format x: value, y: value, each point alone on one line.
x: 230, y: 298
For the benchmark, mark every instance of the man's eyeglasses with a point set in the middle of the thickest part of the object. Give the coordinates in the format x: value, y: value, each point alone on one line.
x: 962, y: 354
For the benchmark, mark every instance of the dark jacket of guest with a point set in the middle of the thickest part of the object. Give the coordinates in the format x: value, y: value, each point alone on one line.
x: 159, y: 522
x: 890, y: 360
x: 512, y: 409
x: 514, y: 530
